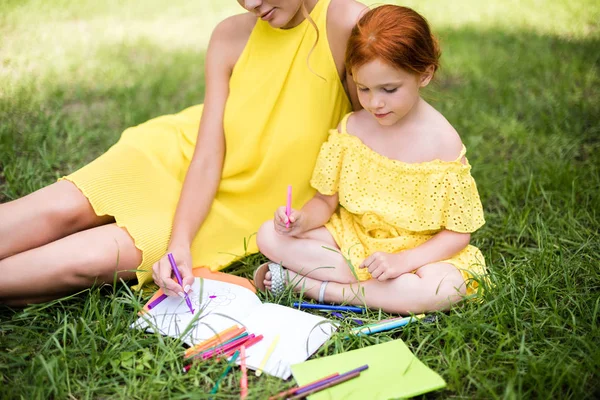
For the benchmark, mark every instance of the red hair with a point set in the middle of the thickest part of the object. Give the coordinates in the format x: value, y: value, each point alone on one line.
x: 398, y: 36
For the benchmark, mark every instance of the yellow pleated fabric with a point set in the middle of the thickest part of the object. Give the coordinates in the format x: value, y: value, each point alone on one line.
x: 390, y: 206
x: 281, y: 105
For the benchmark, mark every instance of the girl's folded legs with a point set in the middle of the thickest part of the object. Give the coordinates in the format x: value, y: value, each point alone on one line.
x: 308, y: 254
x: 434, y: 287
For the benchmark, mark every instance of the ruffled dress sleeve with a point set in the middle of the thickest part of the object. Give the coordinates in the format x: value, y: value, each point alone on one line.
x: 432, y: 196
x: 326, y: 174
x: 459, y: 202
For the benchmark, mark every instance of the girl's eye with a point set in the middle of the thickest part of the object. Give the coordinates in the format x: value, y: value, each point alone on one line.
x: 390, y: 90
x: 363, y: 89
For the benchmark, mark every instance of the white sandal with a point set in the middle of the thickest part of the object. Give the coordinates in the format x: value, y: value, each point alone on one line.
x: 278, y: 279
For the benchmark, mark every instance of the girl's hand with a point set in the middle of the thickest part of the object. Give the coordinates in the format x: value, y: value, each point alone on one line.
x: 383, y: 266
x: 163, y: 275
x: 296, y: 219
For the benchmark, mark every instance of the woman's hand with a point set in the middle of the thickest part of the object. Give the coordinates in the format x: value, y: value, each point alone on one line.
x: 163, y: 274
x: 383, y: 266
x: 296, y: 222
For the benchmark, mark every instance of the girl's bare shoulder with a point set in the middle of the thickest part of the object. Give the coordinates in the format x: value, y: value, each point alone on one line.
x: 448, y: 143
x: 359, y: 123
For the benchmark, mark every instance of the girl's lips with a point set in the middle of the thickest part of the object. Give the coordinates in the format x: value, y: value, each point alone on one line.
x: 268, y: 16
x: 381, y: 115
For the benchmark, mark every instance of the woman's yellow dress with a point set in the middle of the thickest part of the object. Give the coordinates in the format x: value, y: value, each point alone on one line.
x: 390, y: 206
x: 280, y: 107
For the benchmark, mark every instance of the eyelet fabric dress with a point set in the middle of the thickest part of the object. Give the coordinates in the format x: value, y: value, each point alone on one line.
x: 390, y: 206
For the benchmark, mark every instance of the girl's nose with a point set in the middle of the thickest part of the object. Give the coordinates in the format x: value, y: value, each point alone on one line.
x: 377, y: 102
x: 251, y: 4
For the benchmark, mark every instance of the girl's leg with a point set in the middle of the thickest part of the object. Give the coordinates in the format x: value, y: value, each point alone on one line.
x: 67, y: 265
x: 433, y: 287
x: 43, y: 216
x: 305, y: 254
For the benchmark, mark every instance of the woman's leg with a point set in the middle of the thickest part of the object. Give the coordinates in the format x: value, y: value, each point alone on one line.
x: 433, y: 287
x: 306, y: 254
x: 43, y: 216
x: 64, y: 266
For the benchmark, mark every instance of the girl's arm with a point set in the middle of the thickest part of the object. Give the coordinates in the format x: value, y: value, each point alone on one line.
x: 443, y: 245
x: 204, y: 173
x: 318, y: 210
x: 314, y: 214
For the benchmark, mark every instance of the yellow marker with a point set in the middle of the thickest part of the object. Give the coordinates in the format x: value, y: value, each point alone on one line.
x: 267, y: 355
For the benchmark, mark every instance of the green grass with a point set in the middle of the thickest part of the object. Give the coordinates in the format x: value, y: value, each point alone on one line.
x: 519, y: 80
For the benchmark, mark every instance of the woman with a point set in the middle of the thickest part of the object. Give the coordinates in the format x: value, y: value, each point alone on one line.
x: 275, y: 82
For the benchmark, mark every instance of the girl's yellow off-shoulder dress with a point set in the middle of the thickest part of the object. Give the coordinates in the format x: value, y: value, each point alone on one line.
x: 281, y: 105
x: 390, y: 206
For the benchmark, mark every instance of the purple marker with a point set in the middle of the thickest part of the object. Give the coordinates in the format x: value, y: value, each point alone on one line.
x: 157, y: 301
x: 340, y: 316
x: 179, y: 280
x: 326, y: 381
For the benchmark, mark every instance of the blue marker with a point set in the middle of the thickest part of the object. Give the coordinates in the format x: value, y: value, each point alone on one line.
x: 328, y: 307
x: 385, y: 326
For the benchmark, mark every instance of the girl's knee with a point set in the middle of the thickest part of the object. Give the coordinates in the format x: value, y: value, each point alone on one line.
x: 453, y: 288
x: 450, y: 288
x: 266, y: 237
x: 452, y: 283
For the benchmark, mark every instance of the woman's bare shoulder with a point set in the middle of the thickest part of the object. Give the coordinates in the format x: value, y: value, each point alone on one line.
x: 344, y: 14
x: 237, y: 27
x: 230, y: 37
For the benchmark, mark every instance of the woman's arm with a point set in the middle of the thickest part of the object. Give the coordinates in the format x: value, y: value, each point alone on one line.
x: 204, y: 173
x: 342, y: 16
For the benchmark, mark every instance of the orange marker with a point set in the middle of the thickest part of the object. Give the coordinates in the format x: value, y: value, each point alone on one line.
x: 214, y: 341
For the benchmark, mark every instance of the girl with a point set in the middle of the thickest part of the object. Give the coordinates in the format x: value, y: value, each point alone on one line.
x: 272, y: 75
x: 394, y: 188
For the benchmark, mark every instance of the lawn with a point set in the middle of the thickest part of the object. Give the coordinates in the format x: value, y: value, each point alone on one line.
x: 520, y: 81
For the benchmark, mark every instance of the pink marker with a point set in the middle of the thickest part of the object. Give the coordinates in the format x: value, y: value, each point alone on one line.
x: 288, y: 207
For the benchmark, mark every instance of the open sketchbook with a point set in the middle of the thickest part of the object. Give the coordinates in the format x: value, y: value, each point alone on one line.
x: 220, y: 305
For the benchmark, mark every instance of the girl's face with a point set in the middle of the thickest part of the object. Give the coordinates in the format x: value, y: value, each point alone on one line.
x: 282, y: 14
x: 388, y: 93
